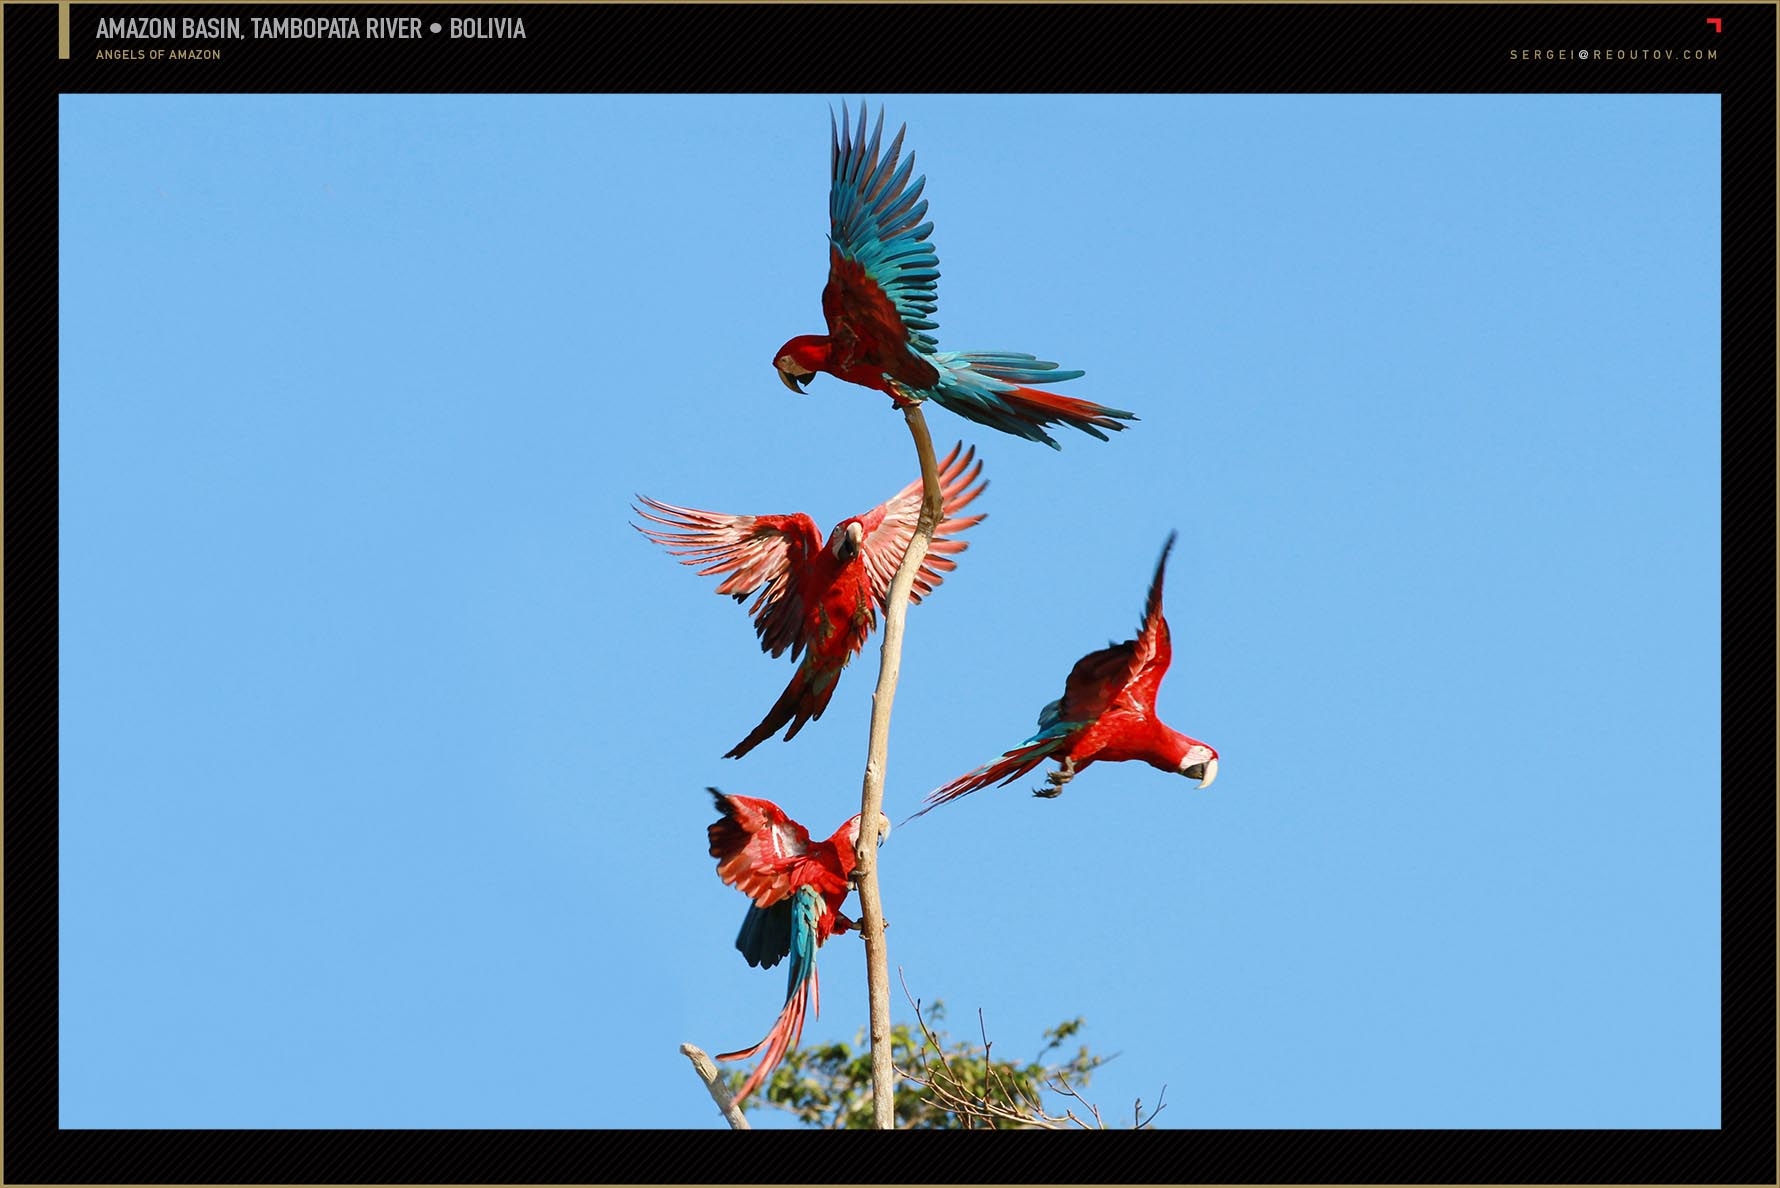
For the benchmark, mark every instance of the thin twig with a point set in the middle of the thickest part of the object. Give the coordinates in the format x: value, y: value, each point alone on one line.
x: 871, y: 904
x: 988, y: 1069
x: 707, y: 1072
x: 932, y: 1040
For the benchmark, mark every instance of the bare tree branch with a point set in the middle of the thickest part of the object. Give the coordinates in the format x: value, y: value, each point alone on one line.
x: 707, y: 1072
x: 871, y: 904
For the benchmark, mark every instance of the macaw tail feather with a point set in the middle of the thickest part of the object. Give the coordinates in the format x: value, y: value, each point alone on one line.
x: 803, y: 992
x: 786, y: 1031
x: 989, y: 387
x: 765, y: 937
x: 803, y: 699
x: 1005, y: 770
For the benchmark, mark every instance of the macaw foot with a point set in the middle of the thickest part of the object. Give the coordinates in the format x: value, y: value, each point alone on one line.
x: 1057, y: 779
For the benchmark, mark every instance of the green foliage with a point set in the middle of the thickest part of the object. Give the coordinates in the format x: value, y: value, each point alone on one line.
x: 944, y: 1083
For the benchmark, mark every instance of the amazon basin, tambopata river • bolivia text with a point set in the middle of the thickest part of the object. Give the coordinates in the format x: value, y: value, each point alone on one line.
x: 171, y: 28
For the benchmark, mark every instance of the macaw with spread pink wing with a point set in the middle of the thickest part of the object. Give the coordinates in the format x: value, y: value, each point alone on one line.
x: 797, y: 887
x: 820, y: 601
x: 1107, y: 714
x: 881, y: 298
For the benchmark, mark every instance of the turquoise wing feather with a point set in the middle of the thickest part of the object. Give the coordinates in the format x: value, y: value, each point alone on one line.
x: 875, y: 215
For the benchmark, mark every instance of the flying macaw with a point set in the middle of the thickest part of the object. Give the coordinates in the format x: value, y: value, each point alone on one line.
x: 1107, y: 713
x: 797, y: 887
x: 880, y: 302
x: 819, y: 600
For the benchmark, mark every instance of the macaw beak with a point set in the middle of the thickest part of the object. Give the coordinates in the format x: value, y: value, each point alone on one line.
x: 797, y: 383
x: 846, y: 544
x: 1201, y: 764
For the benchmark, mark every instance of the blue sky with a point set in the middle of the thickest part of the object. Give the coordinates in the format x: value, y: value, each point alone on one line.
x: 384, y: 737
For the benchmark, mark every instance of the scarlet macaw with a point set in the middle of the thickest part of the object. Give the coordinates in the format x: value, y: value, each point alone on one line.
x: 818, y: 600
x: 797, y: 887
x: 880, y: 301
x: 1107, y: 712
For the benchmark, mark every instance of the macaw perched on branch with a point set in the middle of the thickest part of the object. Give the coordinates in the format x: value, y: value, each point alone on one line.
x: 1107, y: 713
x: 821, y: 601
x: 797, y: 887
x: 880, y: 302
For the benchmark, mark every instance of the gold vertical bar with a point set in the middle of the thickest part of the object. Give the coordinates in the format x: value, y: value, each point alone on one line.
x: 62, y: 29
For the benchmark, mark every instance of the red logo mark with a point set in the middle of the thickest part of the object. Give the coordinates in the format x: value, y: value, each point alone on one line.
x: 1717, y: 24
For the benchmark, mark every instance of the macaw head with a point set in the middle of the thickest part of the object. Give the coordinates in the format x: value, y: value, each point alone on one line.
x: 846, y: 540
x: 1199, y: 763
x: 800, y: 359
x: 853, y: 830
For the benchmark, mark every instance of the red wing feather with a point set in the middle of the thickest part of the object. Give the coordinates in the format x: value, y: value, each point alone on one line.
x: 755, y: 553
x: 1131, y: 670
x: 890, y: 526
x: 1152, y: 650
x: 865, y: 327
x: 1096, y: 682
x: 756, y: 846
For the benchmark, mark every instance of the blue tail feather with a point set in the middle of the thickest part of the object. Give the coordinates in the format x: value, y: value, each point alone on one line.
x: 806, y: 911
x: 765, y: 937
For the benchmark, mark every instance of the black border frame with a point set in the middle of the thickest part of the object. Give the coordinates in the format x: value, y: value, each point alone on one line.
x: 1064, y: 47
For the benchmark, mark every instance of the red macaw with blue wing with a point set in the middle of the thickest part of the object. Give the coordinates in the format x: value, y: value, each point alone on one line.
x: 820, y: 601
x: 1107, y: 714
x: 797, y: 887
x: 881, y: 298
